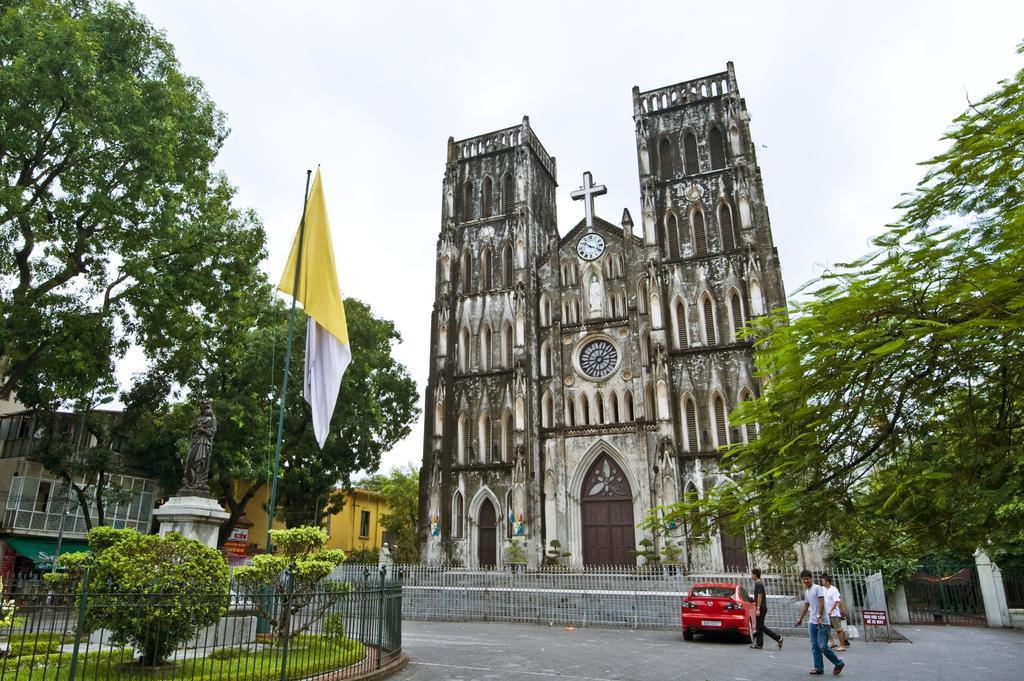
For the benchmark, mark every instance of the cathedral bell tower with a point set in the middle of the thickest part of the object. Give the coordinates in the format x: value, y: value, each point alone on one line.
x: 713, y: 266
x: 479, y: 450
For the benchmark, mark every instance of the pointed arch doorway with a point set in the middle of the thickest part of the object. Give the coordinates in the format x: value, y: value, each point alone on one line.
x: 606, y: 510
x: 487, y: 536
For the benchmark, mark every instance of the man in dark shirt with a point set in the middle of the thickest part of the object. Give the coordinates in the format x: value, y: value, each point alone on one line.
x: 761, y: 610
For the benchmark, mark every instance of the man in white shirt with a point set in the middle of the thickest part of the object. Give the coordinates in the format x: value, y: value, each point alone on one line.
x: 836, y: 609
x: 817, y: 625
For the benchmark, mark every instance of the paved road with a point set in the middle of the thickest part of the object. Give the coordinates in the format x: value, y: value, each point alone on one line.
x: 523, y: 652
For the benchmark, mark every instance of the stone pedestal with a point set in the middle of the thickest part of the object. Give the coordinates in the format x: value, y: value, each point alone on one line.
x: 194, y: 517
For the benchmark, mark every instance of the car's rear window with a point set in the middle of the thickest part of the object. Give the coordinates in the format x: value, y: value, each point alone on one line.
x: 712, y: 592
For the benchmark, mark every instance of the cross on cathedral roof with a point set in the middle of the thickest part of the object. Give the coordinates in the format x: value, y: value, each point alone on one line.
x: 586, y: 193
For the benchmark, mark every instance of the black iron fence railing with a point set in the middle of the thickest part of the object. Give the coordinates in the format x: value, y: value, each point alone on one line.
x: 95, y: 633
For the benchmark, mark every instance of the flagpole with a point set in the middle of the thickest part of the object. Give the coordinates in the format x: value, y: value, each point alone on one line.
x: 287, y: 366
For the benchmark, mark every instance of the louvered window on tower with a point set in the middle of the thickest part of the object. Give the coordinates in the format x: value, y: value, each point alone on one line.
x: 467, y: 201
x: 506, y: 333
x: 737, y: 316
x: 683, y: 339
x: 665, y: 159
x: 700, y: 235
x: 717, y: 144
x: 690, y: 154
x: 488, y: 197
x: 507, y: 271
x: 672, y: 232
x: 691, y: 425
x: 721, y: 429
x: 725, y: 223
x: 506, y: 432
x: 507, y: 192
x: 487, y: 435
x: 709, y: 323
x: 485, y: 270
x: 459, y: 516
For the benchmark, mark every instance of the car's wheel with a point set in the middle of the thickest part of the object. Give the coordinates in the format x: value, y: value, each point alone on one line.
x: 687, y: 635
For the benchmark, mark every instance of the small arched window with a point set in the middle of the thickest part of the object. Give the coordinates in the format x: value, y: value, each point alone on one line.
x: 507, y: 272
x: 467, y: 201
x: 717, y: 144
x: 485, y: 348
x: 737, y: 315
x: 672, y: 236
x: 485, y: 269
x: 598, y: 408
x: 725, y: 224
x: 545, y: 359
x: 508, y: 190
x: 486, y: 439
x: 627, y: 403
x: 545, y: 310
x: 641, y: 297
x: 721, y: 425
x: 700, y: 235
x: 650, y: 409
x: 463, y: 438
x: 464, y: 272
x: 506, y: 345
x: 506, y: 436
x: 547, y: 411
x: 614, y: 415
x: 458, y: 516
x: 749, y: 429
x: 645, y: 349
x: 570, y: 411
x: 665, y: 158
x: 464, y: 351
x: 690, y: 153
x: 682, y: 335
x: 488, y: 202
x: 710, y: 337
x: 690, y: 424
x: 584, y: 410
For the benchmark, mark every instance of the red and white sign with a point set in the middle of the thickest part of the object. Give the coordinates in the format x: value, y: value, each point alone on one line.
x: 237, y: 541
x: 875, y: 618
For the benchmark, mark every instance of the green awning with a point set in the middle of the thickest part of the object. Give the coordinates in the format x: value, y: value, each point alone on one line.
x: 41, y: 551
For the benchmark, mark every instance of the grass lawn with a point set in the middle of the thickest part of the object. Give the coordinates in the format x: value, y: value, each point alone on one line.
x: 307, y: 655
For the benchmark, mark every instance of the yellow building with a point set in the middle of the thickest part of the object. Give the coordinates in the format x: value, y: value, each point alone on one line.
x: 250, y: 534
x: 357, y: 526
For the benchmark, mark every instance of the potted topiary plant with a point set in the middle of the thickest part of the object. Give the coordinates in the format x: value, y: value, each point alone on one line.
x: 555, y: 554
x: 515, y: 556
x: 647, y: 552
x: 670, y: 556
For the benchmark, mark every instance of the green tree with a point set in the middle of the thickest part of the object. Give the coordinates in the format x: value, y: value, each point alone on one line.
x: 114, y: 228
x: 376, y: 405
x: 401, y: 491
x: 151, y: 592
x: 297, y: 576
x: 891, y: 416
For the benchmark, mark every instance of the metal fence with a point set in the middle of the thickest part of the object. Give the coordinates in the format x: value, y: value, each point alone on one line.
x: 634, y: 597
x: 951, y: 599
x: 99, y: 634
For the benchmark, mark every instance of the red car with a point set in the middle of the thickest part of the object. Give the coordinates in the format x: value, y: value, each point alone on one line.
x: 718, y: 607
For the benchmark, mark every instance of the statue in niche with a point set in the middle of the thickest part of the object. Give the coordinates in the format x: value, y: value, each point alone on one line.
x: 645, y: 158
x: 595, y: 295
x: 435, y: 473
x: 519, y: 468
x: 200, y: 448
x: 519, y: 379
x: 449, y: 200
x: 521, y: 178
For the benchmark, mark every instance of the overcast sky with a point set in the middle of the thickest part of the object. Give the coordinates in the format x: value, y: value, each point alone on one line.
x: 845, y: 101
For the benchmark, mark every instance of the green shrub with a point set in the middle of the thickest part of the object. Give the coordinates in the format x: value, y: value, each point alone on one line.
x: 32, y: 644
x: 152, y: 592
x: 334, y: 627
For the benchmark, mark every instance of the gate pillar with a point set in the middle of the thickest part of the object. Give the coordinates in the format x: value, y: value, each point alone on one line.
x: 992, y: 592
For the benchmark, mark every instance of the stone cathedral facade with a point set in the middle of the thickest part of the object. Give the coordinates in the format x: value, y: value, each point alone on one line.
x: 579, y: 381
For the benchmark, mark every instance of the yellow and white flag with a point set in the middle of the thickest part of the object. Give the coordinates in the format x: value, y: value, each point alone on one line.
x: 327, y: 349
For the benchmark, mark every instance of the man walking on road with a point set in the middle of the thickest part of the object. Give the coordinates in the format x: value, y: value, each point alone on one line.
x: 836, y: 609
x: 817, y: 625
x: 761, y: 610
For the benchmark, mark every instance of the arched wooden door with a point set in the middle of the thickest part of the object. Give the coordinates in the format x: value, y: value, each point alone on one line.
x: 487, y: 537
x: 606, y: 508
x: 734, y: 553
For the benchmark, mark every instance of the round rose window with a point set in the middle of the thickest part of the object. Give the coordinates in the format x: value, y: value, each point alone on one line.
x: 598, y: 358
